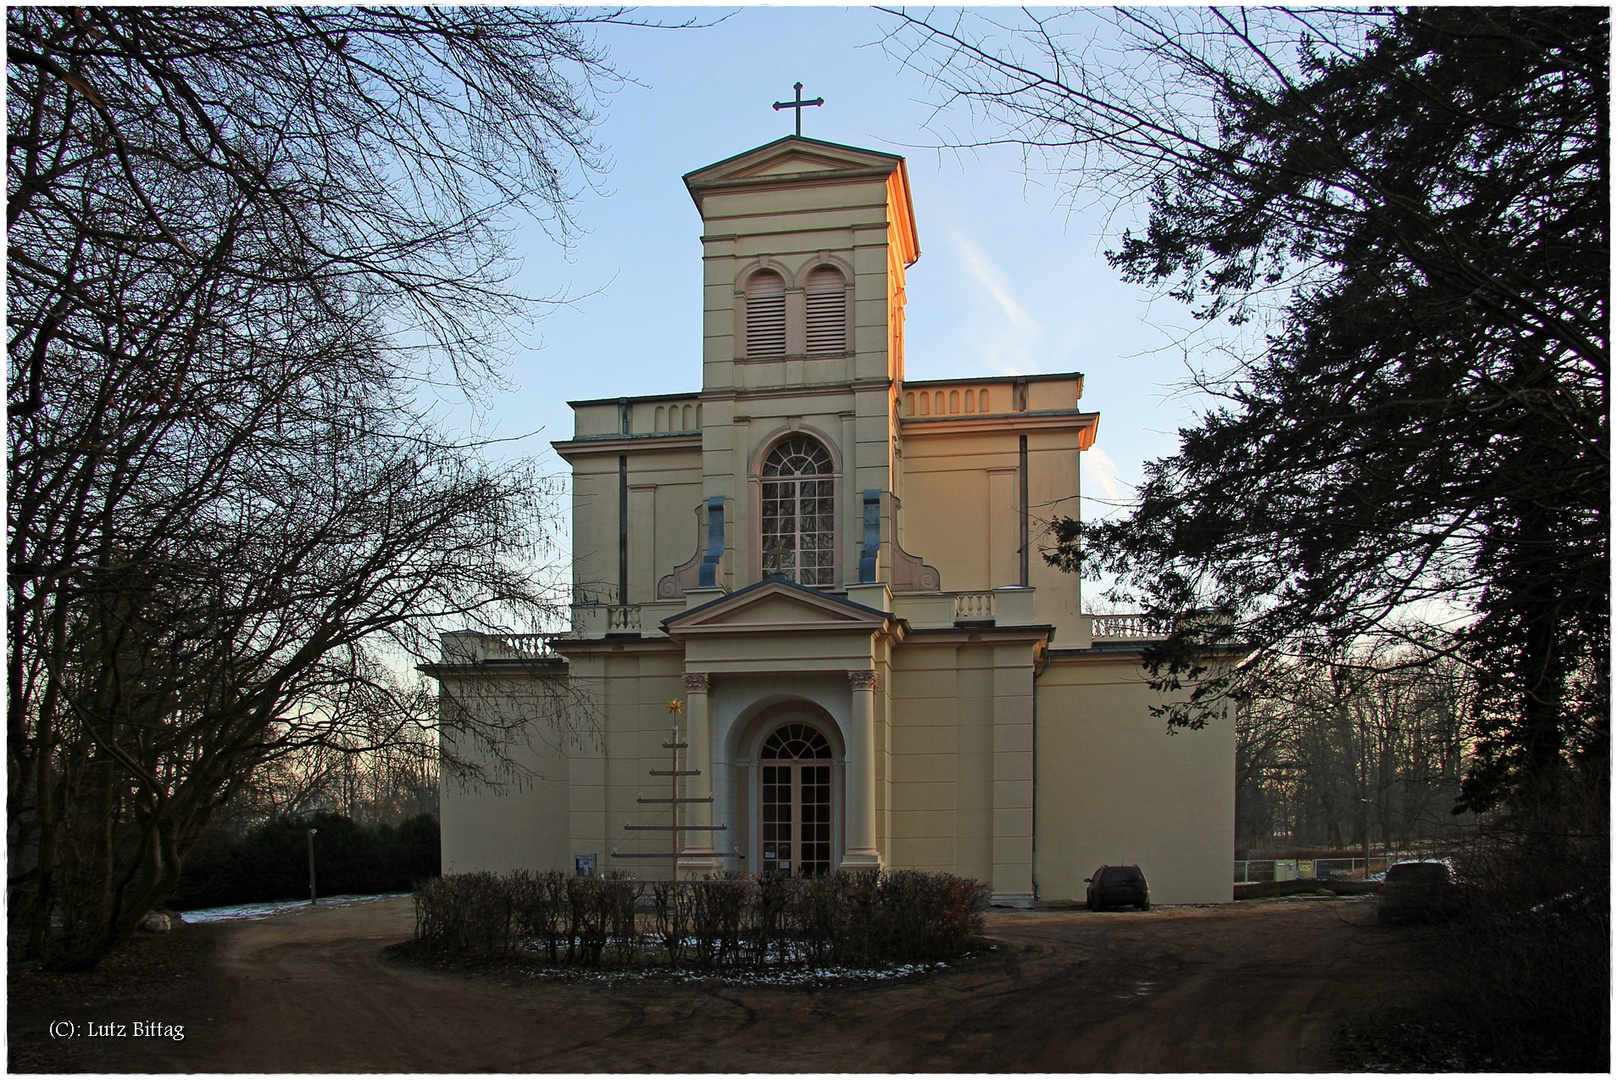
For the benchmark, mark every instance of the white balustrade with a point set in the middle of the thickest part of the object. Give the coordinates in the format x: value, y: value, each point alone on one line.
x: 514, y: 647
x: 974, y: 607
x: 1127, y: 628
x: 623, y: 620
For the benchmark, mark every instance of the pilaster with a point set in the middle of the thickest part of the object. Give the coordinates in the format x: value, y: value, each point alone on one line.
x: 1013, y: 777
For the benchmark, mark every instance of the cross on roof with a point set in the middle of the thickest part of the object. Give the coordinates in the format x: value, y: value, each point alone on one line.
x: 799, y: 104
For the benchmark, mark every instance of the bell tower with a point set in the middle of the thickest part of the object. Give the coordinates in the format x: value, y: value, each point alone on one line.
x: 804, y: 246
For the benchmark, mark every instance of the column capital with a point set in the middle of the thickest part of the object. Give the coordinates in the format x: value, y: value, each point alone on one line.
x: 696, y: 682
x: 862, y: 680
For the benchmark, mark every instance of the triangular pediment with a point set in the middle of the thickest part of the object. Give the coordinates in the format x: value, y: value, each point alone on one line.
x: 791, y: 156
x: 776, y: 606
x: 788, y: 164
x: 794, y: 162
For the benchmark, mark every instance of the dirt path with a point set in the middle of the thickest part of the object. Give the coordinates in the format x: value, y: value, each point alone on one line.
x: 1260, y: 986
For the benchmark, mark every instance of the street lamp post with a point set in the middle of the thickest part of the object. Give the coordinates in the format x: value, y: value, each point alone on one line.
x: 311, y: 864
x: 1364, y: 816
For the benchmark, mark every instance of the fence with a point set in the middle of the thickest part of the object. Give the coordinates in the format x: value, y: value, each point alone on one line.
x: 1250, y: 871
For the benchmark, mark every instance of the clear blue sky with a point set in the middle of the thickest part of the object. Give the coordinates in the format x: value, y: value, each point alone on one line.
x: 1009, y: 281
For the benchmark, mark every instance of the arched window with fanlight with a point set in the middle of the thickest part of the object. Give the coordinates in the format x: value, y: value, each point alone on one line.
x: 799, y: 513
x: 794, y: 802
x: 826, y: 307
x: 766, y: 314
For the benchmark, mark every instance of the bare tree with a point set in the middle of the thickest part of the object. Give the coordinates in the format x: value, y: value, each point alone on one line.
x: 374, y: 784
x: 1367, y: 745
x: 247, y: 249
x: 1396, y: 220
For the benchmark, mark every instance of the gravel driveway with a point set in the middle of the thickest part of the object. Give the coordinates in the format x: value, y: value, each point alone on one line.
x: 1251, y: 987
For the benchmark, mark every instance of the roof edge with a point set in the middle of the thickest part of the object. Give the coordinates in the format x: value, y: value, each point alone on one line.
x: 791, y: 139
x: 814, y: 593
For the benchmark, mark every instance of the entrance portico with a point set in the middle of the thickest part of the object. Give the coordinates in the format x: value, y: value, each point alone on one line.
x: 768, y: 655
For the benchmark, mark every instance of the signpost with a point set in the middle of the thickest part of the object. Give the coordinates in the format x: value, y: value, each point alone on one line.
x: 311, y: 864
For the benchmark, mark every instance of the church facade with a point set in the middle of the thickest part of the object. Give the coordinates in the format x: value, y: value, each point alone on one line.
x: 812, y: 627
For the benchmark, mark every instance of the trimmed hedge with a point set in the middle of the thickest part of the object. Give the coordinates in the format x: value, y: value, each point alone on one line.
x: 272, y: 861
x: 846, y: 918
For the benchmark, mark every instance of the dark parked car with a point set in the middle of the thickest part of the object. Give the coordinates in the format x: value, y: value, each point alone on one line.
x: 1113, y: 885
x: 1417, y: 892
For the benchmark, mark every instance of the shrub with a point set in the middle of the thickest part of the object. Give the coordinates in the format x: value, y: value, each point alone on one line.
x: 412, y: 851
x: 271, y: 862
x: 1531, y: 954
x: 900, y: 916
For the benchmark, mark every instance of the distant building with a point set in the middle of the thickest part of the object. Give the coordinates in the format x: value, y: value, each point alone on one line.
x: 833, y: 575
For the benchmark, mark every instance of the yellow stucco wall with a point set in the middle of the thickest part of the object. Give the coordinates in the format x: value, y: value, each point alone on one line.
x: 956, y: 771
x: 664, y: 484
x: 960, y: 485
x: 513, y: 818
x: 633, y: 688
x: 1114, y: 787
x: 942, y: 771
x: 962, y: 761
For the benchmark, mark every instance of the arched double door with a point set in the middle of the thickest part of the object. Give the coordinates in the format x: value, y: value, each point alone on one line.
x: 795, y: 802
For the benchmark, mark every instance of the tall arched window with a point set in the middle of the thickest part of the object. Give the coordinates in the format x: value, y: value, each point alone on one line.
x: 766, y: 314
x: 799, y: 513
x: 827, y: 306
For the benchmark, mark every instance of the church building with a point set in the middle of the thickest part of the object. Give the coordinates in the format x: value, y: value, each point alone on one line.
x: 812, y: 627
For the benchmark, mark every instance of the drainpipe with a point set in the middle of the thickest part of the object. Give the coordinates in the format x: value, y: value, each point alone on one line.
x: 623, y: 507
x: 623, y: 529
x: 1037, y: 671
x: 1023, y: 507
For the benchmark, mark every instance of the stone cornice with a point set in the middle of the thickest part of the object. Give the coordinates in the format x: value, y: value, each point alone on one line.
x: 598, y: 646
x: 922, y: 427
x: 554, y: 666
x: 993, y: 380
x: 622, y: 444
x: 937, y: 635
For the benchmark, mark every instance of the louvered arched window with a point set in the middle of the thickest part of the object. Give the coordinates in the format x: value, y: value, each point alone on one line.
x: 799, y: 513
x: 827, y: 303
x: 766, y: 314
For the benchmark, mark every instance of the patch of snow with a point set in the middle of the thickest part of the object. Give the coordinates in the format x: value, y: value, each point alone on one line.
x: 277, y: 907
x: 788, y: 977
